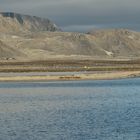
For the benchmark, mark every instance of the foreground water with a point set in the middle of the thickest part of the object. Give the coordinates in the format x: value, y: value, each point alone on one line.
x: 72, y: 110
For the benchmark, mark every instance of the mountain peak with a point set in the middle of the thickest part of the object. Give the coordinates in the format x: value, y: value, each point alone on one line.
x: 14, y: 22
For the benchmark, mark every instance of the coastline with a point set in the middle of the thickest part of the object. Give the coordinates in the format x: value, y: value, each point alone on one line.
x: 77, y: 76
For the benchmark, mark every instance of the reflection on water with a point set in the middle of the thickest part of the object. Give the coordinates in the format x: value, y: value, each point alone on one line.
x: 70, y: 110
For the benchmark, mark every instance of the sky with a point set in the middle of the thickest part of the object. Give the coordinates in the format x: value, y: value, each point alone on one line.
x: 80, y: 15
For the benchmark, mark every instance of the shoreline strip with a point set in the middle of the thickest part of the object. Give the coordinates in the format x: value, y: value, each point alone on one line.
x: 82, y: 76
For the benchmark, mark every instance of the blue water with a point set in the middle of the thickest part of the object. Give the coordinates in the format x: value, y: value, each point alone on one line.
x: 70, y: 110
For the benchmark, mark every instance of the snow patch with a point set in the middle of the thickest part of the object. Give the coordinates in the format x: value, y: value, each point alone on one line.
x: 131, y: 36
x: 14, y: 37
x: 109, y: 53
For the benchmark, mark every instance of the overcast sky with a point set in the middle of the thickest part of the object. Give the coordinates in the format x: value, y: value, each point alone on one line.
x: 80, y: 15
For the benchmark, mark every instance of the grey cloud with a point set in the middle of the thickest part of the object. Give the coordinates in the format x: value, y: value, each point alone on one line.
x: 80, y: 14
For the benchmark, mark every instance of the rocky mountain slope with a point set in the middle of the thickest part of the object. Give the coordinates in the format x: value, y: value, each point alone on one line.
x: 8, y: 52
x: 118, y: 42
x: 15, y: 23
x: 29, y: 38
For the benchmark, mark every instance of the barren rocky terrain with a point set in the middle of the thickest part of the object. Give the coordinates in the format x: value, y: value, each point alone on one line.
x: 32, y: 38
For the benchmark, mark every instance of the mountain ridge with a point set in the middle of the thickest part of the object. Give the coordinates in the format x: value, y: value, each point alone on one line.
x: 34, y: 38
x: 14, y: 22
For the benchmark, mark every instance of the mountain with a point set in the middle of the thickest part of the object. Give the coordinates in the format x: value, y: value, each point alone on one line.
x: 16, y: 23
x: 32, y: 38
x: 102, y: 44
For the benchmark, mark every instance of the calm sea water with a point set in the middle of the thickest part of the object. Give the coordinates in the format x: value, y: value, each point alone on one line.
x: 70, y: 110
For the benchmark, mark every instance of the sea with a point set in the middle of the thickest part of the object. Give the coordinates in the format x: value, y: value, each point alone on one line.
x: 70, y: 110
